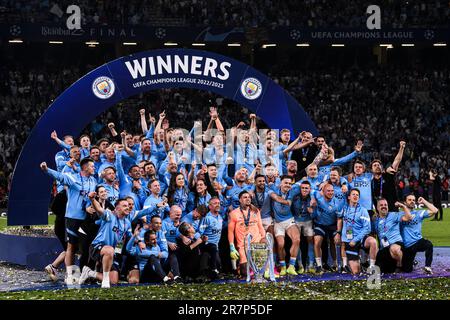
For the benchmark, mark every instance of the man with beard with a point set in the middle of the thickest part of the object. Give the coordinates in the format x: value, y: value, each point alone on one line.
x: 387, y: 227
x: 109, y: 182
x: 291, y: 169
x: 300, y: 196
x: 109, y: 161
x: 383, y: 182
x: 130, y: 185
x: 269, y: 154
x: 149, y: 173
x: 243, y: 221
x: 210, y: 229
x: 411, y: 232
x: 326, y: 223
x: 232, y: 194
x: 79, y: 186
x: 170, y: 227
x: 73, y: 165
x: 303, y: 152
x: 284, y: 224
x: 285, y: 138
x: 94, y: 154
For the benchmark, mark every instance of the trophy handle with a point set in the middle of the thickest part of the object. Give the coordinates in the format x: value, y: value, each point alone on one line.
x: 247, y: 242
x: 269, y: 240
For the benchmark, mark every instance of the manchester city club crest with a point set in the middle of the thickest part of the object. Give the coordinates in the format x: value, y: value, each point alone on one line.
x: 251, y: 88
x: 103, y: 87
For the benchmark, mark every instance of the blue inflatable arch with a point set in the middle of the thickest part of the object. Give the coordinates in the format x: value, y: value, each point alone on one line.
x: 117, y: 80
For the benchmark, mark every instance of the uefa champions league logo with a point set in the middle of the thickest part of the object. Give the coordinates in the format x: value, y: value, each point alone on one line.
x: 251, y: 88
x: 103, y: 87
x: 160, y: 33
x: 15, y: 30
x: 428, y: 34
x: 295, y: 34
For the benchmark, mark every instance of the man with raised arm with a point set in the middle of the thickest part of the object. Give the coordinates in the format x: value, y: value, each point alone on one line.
x: 114, y: 229
x: 285, y: 224
x: 411, y: 232
x: 387, y: 226
x: 383, y: 182
x: 79, y: 186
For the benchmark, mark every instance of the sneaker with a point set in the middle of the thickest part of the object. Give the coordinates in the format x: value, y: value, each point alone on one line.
x: 177, y: 279
x: 51, y: 271
x: 311, y: 269
x: 428, y: 270
x: 346, y: 269
x: 415, y: 263
x: 275, y: 271
x: 291, y: 270
x: 283, y: 271
x: 326, y: 268
x: 334, y: 268
x: 167, y: 280
x: 69, y: 280
x: 84, y: 275
x: 300, y: 269
x: 319, y: 270
x: 267, y: 274
x: 106, y: 285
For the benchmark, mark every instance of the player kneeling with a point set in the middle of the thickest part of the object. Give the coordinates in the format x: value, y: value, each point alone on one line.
x: 355, y: 230
x: 113, y: 230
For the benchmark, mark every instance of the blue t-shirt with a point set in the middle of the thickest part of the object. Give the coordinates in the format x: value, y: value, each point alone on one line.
x: 411, y: 230
x: 232, y: 194
x: 262, y: 202
x: 326, y: 212
x: 211, y: 226
x: 355, y: 223
x: 77, y: 194
x: 299, y: 204
x: 388, y: 228
x: 170, y: 231
x: 189, y: 218
x: 152, y: 202
x: 364, y: 185
x: 282, y: 212
x: 113, y: 231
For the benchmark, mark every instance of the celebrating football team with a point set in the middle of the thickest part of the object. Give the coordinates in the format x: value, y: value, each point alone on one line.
x: 168, y: 205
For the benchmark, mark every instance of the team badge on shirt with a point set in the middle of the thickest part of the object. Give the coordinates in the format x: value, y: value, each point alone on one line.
x: 103, y: 87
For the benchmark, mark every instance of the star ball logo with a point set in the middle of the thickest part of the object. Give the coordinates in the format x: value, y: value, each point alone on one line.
x: 251, y: 88
x: 103, y: 87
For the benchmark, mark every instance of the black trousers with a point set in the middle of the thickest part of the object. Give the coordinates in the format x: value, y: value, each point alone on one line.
x: 189, y: 262
x: 385, y: 261
x: 153, y: 271
x: 437, y: 202
x: 156, y: 269
x: 59, y: 209
x: 224, y: 252
x: 172, y: 263
x: 212, y: 250
x: 409, y: 254
x: 85, y: 240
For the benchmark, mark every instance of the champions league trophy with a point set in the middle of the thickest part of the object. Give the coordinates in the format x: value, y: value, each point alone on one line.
x: 259, y: 258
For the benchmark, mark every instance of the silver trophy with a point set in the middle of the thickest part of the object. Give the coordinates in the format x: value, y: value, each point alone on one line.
x: 259, y: 258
